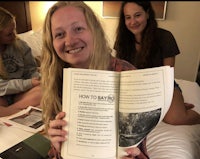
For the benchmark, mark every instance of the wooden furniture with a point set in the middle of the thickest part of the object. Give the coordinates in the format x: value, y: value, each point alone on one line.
x: 20, y: 9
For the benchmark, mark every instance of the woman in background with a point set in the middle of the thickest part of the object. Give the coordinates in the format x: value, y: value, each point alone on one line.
x: 19, y: 76
x: 140, y: 42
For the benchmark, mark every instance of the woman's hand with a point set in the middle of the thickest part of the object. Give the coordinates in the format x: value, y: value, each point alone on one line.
x: 35, y: 81
x: 134, y: 153
x: 55, y: 131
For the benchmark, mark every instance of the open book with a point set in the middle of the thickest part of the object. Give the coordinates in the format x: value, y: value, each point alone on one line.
x: 29, y: 119
x: 108, y: 111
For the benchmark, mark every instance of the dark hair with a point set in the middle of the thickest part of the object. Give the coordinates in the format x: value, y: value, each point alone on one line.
x: 125, y: 40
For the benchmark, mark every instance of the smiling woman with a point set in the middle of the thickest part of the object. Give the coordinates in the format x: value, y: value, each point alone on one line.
x: 73, y: 37
x: 111, y: 9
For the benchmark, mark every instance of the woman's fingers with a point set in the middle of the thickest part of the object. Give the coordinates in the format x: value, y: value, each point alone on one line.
x: 56, y: 134
x: 60, y: 115
x: 134, y: 153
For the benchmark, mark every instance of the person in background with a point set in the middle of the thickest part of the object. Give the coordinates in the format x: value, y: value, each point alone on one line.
x: 73, y: 37
x: 19, y: 76
x: 140, y: 42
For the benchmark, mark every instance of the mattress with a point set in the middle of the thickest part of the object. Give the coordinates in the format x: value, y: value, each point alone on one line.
x: 177, y: 142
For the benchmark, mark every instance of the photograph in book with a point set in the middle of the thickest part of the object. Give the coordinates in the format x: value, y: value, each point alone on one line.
x: 29, y: 119
x: 133, y: 127
x: 108, y: 111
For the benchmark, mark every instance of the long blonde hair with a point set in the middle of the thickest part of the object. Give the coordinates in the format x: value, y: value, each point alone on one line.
x: 5, y: 19
x: 52, y: 66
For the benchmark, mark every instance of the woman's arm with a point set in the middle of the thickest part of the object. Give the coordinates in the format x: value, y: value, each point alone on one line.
x: 14, y: 86
x: 170, y: 61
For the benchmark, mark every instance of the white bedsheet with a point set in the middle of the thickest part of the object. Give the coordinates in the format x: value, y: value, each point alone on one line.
x: 177, y: 142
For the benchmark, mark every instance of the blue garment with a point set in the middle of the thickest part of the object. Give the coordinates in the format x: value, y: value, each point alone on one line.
x: 176, y: 85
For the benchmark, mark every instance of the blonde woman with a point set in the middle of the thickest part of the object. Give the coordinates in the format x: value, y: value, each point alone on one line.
x: 72, y: 37
x: 19, y: 76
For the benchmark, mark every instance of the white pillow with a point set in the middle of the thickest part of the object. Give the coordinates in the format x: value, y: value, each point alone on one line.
x: 34, y: 40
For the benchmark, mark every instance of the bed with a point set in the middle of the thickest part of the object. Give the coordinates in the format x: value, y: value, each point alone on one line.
x: 177, y: 142
x: 165, y: 141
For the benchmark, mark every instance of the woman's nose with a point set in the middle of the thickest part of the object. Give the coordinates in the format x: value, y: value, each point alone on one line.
x: 68, y: 39
x: 132, y: 20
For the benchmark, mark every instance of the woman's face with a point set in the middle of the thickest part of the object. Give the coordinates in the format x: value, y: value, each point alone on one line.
x: 72, y: 38
x: 135, y: 18
x: 7, y: 35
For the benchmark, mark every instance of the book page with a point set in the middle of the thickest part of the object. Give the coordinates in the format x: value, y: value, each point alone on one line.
x: 29, y: 119
x: 10, y: 136
x: 90, y: 100
x: 145, y: 97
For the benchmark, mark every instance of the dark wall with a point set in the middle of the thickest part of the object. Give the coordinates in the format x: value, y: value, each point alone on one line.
x: 22, y: 13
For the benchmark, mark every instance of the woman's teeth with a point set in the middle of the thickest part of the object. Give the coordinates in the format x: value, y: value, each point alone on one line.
x: 74, y: 51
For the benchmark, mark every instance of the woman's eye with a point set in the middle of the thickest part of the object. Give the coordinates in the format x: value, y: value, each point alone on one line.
x: 79, y: 29
x: 127, y: 18
x: 10, y: 34
x: 137, y: 15
x: 59, y: 35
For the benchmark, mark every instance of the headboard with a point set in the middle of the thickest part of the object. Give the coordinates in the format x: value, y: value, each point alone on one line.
x: 20, y: 9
